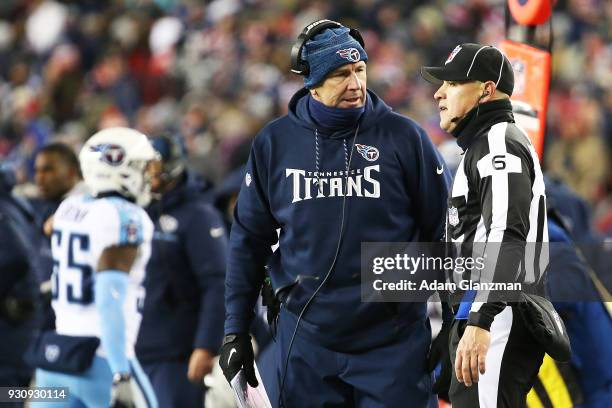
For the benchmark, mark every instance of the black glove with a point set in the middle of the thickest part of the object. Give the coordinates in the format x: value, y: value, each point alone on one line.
x: 121, y: 392
x: 236, y: 354
x: 17, y: 310
x: 439, y: 353
x: 269, y: 300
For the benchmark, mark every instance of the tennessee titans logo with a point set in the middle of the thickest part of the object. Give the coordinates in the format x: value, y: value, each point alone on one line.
x: 351, y: 54
x: 111, y: 153
x: 52, y: 352
x: 168, y: 223
x: 370, y: 153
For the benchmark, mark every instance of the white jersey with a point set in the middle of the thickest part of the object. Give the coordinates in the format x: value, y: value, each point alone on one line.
x: 83, y: 227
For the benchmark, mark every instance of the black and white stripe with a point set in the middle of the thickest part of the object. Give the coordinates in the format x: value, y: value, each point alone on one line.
x: 498, y: 197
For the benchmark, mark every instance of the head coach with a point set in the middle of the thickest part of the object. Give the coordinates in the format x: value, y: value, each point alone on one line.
x: 340, y: 169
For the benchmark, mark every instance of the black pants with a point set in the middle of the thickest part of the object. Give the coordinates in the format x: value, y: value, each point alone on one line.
x: 512, y: 365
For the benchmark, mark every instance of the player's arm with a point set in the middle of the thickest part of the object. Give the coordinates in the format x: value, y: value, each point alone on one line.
x: 112, y: 280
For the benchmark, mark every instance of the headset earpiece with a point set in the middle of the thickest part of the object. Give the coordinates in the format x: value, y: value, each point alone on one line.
x: 484, y: 94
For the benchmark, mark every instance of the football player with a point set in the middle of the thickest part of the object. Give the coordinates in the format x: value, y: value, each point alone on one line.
x: 101, y: 244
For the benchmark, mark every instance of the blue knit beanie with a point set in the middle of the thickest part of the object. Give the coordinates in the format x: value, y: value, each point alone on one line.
x: 329, y: 50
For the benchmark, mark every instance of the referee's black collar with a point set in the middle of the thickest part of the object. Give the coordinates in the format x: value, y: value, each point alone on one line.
x: 480, y: 119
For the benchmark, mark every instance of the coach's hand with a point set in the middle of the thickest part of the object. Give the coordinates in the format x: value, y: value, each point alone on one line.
x: 471, y: 354
x: 236, y: 354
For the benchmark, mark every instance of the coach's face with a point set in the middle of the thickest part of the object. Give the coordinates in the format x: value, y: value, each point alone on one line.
x: 455, y: 99
x: 344, y: 87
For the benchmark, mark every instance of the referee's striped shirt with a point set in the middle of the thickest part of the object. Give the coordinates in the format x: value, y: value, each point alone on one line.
x: 498, y: 197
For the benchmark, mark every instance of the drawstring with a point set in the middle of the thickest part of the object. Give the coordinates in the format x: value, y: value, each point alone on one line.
x: 318, y: 180
x: 347, y: 156
x: 317, y: 153
x: 346, y: 159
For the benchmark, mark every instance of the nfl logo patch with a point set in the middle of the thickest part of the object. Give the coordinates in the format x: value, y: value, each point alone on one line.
x: 453, y: 216
x: 452, y: 55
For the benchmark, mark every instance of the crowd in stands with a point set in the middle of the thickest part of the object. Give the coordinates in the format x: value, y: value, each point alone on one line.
x: 216, y: 71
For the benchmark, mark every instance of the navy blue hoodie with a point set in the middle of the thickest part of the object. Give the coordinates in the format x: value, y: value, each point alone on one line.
x: 19, y: 262
x: 183, y: 306
x: 395, y: 194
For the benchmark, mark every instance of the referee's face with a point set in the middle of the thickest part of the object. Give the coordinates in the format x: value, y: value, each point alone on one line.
x: 455, y: 99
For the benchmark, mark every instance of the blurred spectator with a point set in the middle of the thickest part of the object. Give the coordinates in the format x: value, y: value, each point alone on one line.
x: 217, y: 71
x: 578, y: 156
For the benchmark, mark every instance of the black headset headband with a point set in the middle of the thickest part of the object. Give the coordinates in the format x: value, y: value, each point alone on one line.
x: 300, y: 66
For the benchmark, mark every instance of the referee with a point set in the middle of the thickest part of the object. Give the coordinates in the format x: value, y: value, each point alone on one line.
x: 497, y: 201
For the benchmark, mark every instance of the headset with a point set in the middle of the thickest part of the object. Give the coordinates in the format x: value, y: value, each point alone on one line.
x: 173, y: 153
x: 298, y: 64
